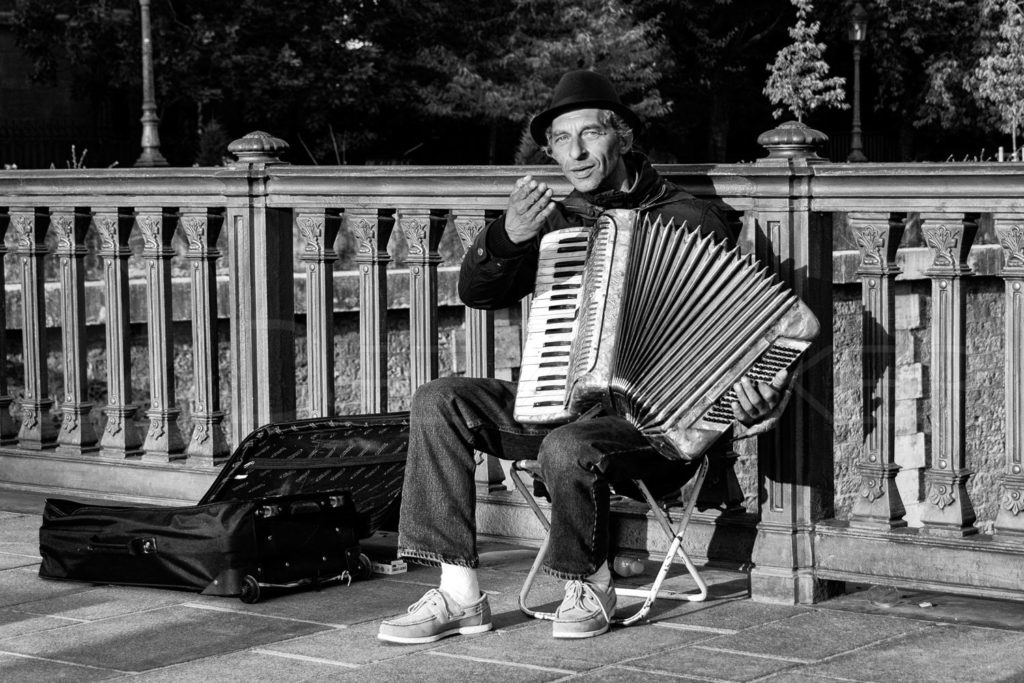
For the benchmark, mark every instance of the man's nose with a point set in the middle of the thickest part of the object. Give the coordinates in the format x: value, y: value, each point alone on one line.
x: 577, y: 150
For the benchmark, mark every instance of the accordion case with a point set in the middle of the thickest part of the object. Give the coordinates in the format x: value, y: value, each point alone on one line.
x: 286, y: 511
x: 657, y: 322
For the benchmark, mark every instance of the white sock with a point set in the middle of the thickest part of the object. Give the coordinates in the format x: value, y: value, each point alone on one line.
x: 602, y: 577
x: 460, y: 584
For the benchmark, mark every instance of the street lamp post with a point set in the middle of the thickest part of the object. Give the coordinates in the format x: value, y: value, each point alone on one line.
x: 858, y: 30
x: 151, y: 155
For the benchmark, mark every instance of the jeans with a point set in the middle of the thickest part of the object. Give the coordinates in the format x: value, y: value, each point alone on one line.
x: 453, y: 416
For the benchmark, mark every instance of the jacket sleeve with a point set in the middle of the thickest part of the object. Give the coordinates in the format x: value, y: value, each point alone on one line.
x: 496, y: 273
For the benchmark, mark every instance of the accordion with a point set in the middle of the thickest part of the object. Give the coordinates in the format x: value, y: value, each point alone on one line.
x: 656, y: 322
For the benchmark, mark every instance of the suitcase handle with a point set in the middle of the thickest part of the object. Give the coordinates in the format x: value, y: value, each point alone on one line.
x: 145, y: 545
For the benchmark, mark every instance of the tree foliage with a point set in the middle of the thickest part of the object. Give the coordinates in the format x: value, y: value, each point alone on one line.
x: 999, y: 74
x: 346, y: 78
x: 798, y: 78
x: 718, y: 50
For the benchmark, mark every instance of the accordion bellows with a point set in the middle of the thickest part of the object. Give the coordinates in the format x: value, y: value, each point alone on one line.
x: 657, y: 323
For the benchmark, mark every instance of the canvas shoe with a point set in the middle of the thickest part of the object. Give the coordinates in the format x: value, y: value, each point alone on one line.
x: 433, y: 617
x: 585, y: 611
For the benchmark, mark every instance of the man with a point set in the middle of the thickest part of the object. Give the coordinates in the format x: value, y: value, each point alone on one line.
x: 589, y: 133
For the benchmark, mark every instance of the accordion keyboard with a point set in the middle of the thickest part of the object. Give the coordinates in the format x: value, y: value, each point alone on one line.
x: 541, y: 395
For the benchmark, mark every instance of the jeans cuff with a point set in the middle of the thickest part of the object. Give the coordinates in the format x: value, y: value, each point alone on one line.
x: 565, y: 576
x: 432, y: 559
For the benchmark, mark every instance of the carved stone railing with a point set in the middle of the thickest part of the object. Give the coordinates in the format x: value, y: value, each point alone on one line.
x: 266, y: 225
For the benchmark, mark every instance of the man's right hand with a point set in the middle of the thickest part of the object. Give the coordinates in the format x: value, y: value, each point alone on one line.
x: 529, y: 206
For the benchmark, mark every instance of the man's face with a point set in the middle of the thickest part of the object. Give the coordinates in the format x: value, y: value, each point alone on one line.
x: 588, y: 151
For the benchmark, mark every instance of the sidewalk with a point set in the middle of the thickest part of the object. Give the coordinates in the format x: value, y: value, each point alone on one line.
x: 53, y: 631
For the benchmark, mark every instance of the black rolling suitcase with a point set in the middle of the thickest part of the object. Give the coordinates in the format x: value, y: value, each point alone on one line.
x: 287, y: 510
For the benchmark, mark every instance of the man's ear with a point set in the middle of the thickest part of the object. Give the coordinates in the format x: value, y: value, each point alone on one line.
x: 626, y: 140
x: 547, y: 150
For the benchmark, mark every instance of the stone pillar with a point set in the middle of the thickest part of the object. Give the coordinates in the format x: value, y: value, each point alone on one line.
x: 207, y: 446
x: 422, y: 232
x: 794, y: 459
x: 947, y: 509
x: 8, y: 429
x: 37, y: 427
x: 262, y: 301
x: 879, y: 504
x: 1010, y: 521
x: 372, y: 233
x: 77, y: 434
x: 121, y: 437
x: 318, y: 230
x: 164, y: 441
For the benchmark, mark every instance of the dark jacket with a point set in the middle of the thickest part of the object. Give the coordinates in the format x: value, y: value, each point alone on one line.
x: 496, y: 273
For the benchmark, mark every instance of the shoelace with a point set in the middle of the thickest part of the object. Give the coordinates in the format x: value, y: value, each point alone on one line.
x: 576, y: 591
x: 432, y: 595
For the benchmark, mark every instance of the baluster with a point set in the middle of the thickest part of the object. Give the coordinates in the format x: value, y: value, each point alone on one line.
x: 1010, y: 229
x: 207, y: 446
x: 372, y: 233
x: 319, y: 231
x: 423, y: 232
x: 948, y: 509
x: 163, y: 439
x: 77, y: 434
x: 121, y: 436
x: 879, y: 504
x: 37, y: 429
x: 479, y: 350
x: 8, y: 428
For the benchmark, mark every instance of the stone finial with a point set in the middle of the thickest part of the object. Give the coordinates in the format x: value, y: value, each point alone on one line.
x: 792, y: 141
x: 258, y: 148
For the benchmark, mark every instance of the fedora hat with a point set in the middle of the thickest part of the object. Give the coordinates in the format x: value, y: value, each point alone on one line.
x: 580, y: 89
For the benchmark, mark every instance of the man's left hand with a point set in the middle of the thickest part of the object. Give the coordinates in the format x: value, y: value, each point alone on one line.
x: 757, y: 401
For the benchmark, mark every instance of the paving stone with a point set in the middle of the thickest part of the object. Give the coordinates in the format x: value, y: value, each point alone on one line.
x: 14, y: 623
x: 430, y: 665
x: 30, y: 670
x: 362, y: 601
x: 703, y: 663
x: 20, y: 528
x: 929, y: 606
x: 964, y: 654
x: 533, y: 644
x: 157, y: 638
x: 244, y: 667
x: 727, y: 615
x: 103, y: 602
x: 21, y: 584
x: 353, y: 646
x: 18, y: 555
x: 798, y: 675
x: 617, y: 674
x: 814, y: 634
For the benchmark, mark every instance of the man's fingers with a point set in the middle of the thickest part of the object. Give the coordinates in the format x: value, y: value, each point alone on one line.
x: 780, y: 380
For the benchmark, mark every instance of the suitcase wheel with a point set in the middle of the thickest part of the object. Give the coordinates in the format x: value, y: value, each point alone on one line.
x: 365, y: 569
x: 250, y: 589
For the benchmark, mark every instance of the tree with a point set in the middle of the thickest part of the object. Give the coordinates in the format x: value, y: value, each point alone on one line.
x: 999, y: 75
x: 918, y: 53
x: 502, y: 70
x: 717, y: 51
x: 798, y: 77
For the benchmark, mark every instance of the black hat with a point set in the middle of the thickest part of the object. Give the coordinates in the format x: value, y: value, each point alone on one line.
x: 580, y: 90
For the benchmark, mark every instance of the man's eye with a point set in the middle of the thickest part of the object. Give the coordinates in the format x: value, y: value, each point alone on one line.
x: 560, y: 139
x: 592, y: 134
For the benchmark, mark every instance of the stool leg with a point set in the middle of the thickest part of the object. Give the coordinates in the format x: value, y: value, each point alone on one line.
x: 520, y: 485
x: 675, y: 535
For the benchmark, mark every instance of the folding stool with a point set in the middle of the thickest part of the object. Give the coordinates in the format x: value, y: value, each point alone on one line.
x: 674, y: 533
